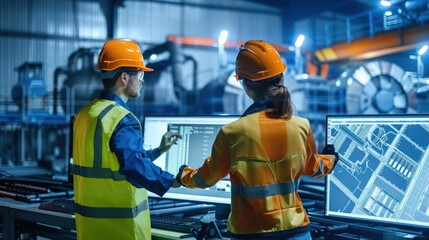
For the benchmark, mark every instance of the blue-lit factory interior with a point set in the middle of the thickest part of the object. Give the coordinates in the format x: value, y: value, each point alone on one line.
x: 347, y: 58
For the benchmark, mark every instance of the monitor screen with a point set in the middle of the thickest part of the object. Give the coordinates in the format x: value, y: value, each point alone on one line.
x: 198, y: 134
x: 383, y: 172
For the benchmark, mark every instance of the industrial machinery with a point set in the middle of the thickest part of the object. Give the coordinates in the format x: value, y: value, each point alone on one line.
x: 362, y: 88
x: 81, y: 83
x: 378, y: 87
x: 167, y: 90
x: 368, y: 88
x: 31, y: 135
x: 422, y: 95
x: 30, y: 92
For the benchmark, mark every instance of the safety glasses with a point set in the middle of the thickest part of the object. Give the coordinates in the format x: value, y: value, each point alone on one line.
x: 140, y: 75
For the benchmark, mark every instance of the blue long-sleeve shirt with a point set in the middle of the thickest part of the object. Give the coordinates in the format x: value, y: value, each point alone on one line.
x: 134, y: 161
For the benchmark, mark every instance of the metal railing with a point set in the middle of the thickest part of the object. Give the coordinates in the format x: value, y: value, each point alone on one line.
x: 367, y: 24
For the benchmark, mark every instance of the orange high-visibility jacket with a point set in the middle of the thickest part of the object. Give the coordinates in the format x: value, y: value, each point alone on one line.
x: 265, y: 156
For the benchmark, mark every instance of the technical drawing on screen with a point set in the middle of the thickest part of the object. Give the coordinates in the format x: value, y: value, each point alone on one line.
x: 198, y: 134
x: 383, y: 172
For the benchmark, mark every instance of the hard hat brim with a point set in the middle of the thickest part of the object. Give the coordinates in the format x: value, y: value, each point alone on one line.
x: 146, y: 69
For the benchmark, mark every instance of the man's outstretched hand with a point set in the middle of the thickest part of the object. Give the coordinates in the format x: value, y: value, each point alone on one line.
x: 168, y: 140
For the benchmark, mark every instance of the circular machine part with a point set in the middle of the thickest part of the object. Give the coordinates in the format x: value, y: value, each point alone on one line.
x: 377, y: 87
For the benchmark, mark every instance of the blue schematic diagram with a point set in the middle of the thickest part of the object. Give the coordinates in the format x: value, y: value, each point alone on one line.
x: 383, y: 172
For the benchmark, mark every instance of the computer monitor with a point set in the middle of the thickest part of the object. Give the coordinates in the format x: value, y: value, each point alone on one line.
x: 198, y: 134
x: 383, y: 172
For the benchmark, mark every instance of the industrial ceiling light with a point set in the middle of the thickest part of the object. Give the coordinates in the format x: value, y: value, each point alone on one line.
x: 422, y: 50
x: 385, y: 3
x: 299, y: 41
x: 221, y: 49
x: 388, y: 13
x: 222, y: 37
x: 299, y: 64
x: 420, y: 65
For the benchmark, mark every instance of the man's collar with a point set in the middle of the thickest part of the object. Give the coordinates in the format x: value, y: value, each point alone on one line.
x: 113, y: 97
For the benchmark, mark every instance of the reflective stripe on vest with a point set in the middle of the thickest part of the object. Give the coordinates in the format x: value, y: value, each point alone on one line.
x: 97, y: 173
x: 98, y: 137
x: 105, y: 212
x: 264, y: 191
x: 199, y: 181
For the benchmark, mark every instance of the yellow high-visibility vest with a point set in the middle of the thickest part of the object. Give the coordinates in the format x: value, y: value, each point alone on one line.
x: 107, y: 206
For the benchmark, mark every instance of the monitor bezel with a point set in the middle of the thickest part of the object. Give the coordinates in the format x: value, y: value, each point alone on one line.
x: 363, y: 220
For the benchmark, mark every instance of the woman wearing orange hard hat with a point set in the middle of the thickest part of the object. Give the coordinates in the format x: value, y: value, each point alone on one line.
x: 265, y: 153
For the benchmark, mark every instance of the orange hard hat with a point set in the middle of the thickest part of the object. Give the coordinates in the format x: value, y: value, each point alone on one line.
x: 258, y: 60
x: 118, y: 53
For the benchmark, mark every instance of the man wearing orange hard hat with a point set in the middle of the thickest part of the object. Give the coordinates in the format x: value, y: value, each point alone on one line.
x: 265, y: 153
x: 112, y: 171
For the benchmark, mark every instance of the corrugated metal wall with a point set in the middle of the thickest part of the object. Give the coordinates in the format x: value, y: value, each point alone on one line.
x: 48, y: 31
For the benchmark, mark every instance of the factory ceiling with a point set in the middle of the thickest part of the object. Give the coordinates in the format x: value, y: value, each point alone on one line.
x: 405, y: 30
x: 296, y: 10
x: 301, y: 9
x: 330, y: 42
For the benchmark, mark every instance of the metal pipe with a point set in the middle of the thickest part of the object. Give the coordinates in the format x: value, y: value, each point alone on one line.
x: 58, y: 71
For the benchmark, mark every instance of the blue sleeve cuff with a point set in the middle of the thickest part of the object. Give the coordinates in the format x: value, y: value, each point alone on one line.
x: 179, y: 174
x: 153, y: 154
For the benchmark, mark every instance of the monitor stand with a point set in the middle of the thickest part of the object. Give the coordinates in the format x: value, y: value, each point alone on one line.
x: 425, y: 233
x: 222, y: 211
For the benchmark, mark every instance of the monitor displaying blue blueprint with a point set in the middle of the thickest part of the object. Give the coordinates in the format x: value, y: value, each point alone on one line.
x: 383, y: 171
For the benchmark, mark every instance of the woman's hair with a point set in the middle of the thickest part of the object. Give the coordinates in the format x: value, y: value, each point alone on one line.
x: 272, y: 89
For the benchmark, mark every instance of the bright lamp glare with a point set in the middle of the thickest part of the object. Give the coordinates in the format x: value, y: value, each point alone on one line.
x: 388, y: 13
x: 222, y: 37
x: 299, y: 41
x: 423, y: 50
x: 385, y: 3
x: 153, y: 57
